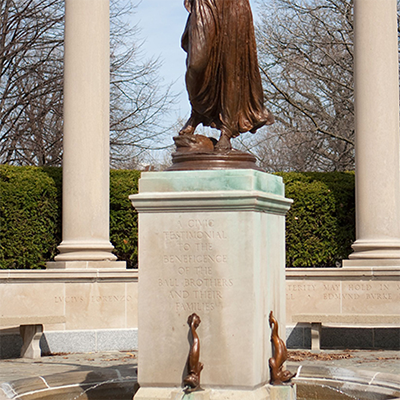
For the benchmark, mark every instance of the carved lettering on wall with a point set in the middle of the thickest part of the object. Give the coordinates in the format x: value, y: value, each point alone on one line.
x: 338, y: 296
x: 379, y: 296
x: 92, y: 299
x: 334, y: 287
x: 363, y: 287
x: 304, y: 287
x: 353, y: 294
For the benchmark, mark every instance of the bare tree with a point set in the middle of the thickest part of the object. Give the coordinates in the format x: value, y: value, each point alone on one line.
x: 30, y: 80
x: 306, y: 60
x: 31, y: 85
x: 139, y: 98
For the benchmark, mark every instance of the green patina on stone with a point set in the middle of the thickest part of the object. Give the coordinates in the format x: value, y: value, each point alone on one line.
x: 204, y: 181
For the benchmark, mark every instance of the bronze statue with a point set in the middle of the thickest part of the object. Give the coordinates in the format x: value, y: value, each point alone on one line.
x: 222, y: 78
x: 192, y: 380
x: 278, y: 374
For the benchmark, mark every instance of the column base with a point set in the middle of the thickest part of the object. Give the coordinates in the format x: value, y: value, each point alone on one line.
x: 376, y: 249
x: 86, y: 265
x: 263, y: 393
x: 85, y: 251
x: 371, y: 263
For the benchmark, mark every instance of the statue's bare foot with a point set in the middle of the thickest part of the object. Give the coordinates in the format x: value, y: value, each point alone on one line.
x: 189, y: 127
x: 224, y: 143
x: 187, y: 130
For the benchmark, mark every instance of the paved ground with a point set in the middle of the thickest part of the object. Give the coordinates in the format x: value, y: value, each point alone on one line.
x: 20, y: 368
x: 380, y: 361
x: 13, y: 369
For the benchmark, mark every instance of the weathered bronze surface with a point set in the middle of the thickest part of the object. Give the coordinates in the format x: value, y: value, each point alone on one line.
x: 195, y: 157
x: 278, y: 374
x: 192, y: 380
x: 222, y: 78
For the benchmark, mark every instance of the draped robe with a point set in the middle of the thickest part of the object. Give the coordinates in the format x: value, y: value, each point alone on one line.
x: 222, y: 78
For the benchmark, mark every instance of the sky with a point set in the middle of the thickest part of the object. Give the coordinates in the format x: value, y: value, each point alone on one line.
x: 161, y: 23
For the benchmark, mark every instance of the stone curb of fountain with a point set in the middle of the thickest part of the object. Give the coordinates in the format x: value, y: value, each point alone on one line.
x: 373, y: 385
x: 73, y: 385
x: 362, y: 363
x: 122, y: 382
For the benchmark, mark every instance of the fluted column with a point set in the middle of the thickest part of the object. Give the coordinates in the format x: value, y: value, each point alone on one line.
x: 85, y: 211
x: 377, y: 134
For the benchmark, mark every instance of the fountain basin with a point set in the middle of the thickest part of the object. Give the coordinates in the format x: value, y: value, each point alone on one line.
x: 331, y: 383
x: 109, y: 383
x: 313, y: 383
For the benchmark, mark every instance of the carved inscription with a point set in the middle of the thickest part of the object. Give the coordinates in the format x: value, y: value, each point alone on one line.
x: 299, y: 290
x: 359, y: 291
x: 196, y: 264
x: 376, y: 292
x: 346, y: 295
x: 332, y: 292
x: 92, y: 299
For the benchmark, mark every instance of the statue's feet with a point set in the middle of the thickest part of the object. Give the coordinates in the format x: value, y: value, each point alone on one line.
x: 224, y: 143
x: 189, y: 127
x: 187, y: 130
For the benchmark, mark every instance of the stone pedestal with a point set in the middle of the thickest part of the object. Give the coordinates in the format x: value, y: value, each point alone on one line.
x: 376, y: 77
x: 210, y: 243
x: 282, y: 392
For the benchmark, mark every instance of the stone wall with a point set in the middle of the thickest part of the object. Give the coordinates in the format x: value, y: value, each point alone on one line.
x: 340, y: 291
x: 100, y: 309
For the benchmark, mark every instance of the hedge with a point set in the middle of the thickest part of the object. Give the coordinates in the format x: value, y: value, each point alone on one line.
x: 123, y: 218
x: 29, y: 217
x: 320, y: 224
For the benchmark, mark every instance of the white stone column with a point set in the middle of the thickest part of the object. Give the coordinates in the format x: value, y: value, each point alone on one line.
x: 85, y: 210
x: 377, y: 134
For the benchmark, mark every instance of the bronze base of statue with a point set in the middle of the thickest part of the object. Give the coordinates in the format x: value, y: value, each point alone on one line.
x: 198, y: 152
